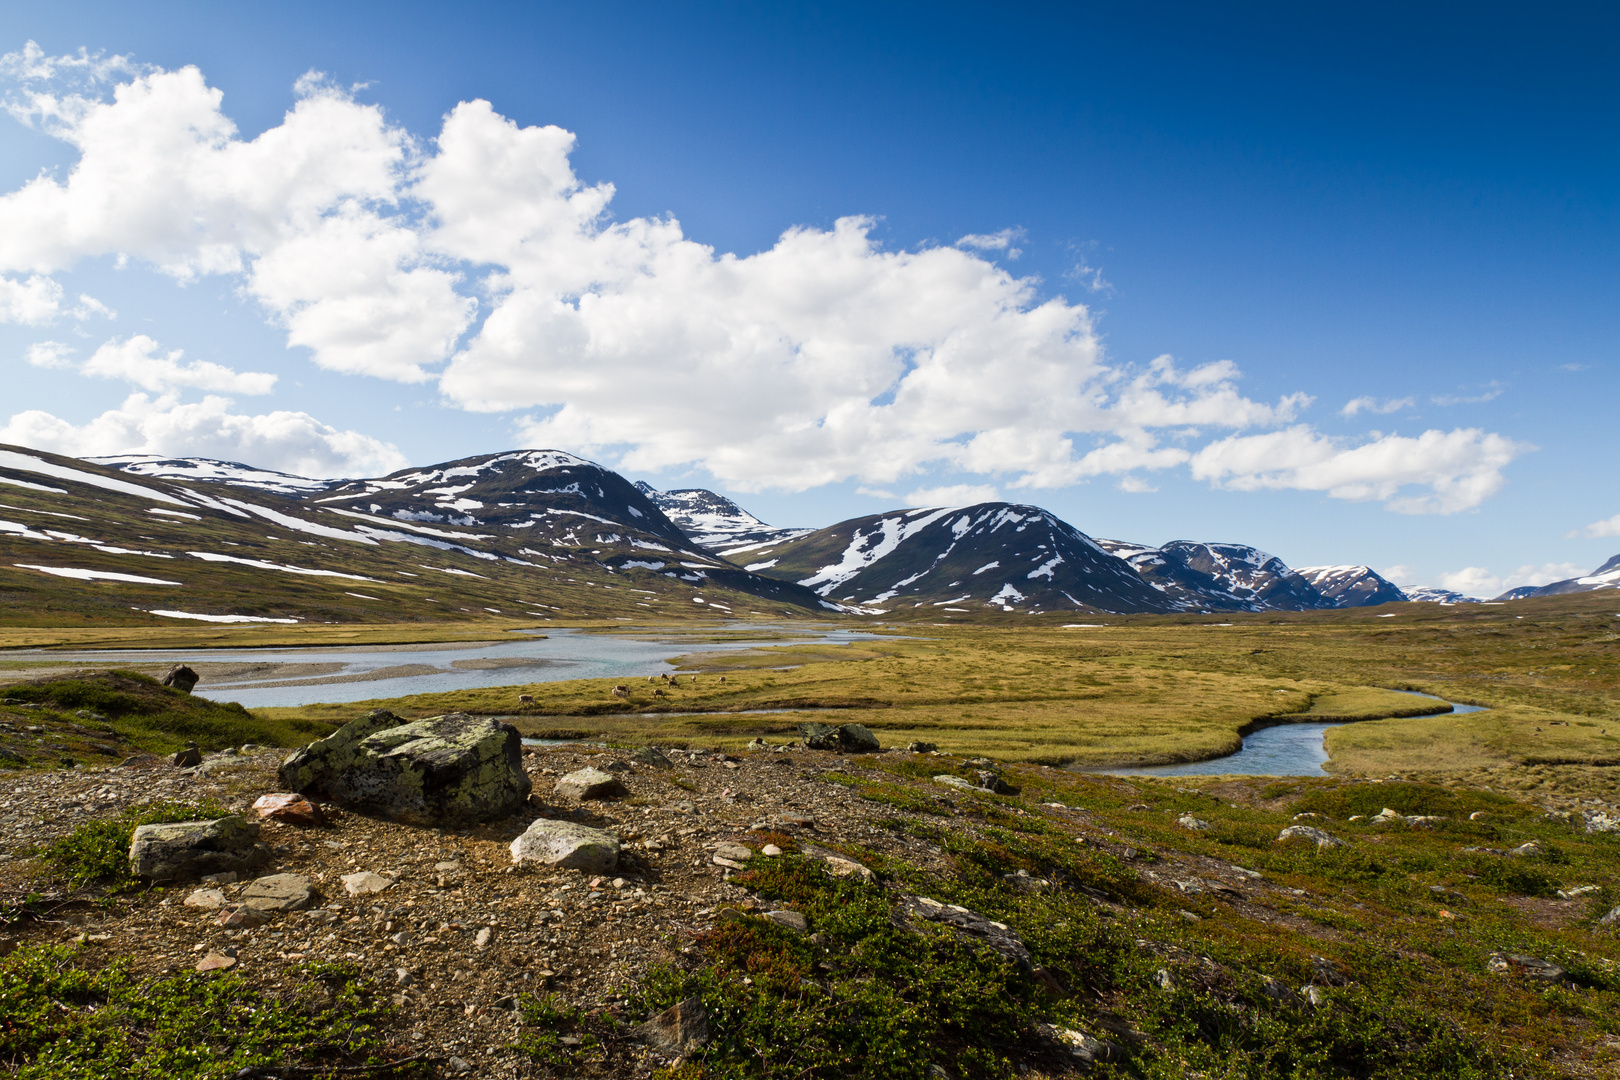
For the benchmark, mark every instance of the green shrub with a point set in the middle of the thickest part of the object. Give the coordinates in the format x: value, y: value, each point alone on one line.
x: 62, y: 1021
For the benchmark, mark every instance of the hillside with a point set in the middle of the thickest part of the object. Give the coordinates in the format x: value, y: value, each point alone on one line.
x: 997, y: 556
x: 528, y: 535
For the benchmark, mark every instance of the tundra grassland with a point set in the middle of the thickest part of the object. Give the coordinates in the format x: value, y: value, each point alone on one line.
x: 1144, y: 690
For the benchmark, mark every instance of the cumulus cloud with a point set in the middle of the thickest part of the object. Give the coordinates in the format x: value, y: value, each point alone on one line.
x: 1598, y: 529
x: 954, y: 495
x: 49, y: 354
x: 1459, y: 469
x: 1478, y: 581
x: 481, y: 261
x: 32, y: 302
x: 136, y: 360
x: 292, y: 442
x: 1373, y: 405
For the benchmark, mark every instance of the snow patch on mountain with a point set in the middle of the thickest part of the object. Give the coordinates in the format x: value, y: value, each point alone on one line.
x: 214, y: 471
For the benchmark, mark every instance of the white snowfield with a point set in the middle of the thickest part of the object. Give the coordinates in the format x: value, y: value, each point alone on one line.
x: 219, y: 618
x: 96, y: 575
x: 213, y: 470
x: 260, y: 564
x: 10, y: 459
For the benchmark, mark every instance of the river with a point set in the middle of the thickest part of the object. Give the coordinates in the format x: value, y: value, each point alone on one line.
x: 265, y: 678
x: 1279, y: 750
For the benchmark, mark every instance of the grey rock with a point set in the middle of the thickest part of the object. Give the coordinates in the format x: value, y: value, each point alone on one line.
x: 278, y: 892
x: 446, y: 770
x: 1317, y: 836
x: 590, y: 783
x: 568, y: 845
x: 848, y: 868
x: 1532, y: 848
x: 189, y: 849
x: 953, y: 781
x: 209, y: 899
x: 922, y: 747
x: 365, y: 883
x: 1326, y: 972
x: 1277, y: 991
x: 1612, y: 918
x: 650, y: 755
x: 1187, y: 821
x: 181, y: 678
x: 970, y: 924
x: 1085, y: 1049
x: 189, y: 758
x: 790, y: 919
x: 1164, y: 980
x: 1533, y: 967
x: 991, y: 781
x: 679, y: 1029
x: 845, y: 738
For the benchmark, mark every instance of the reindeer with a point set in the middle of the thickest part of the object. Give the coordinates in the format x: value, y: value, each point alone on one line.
x: 658, y: 693
x: 525, y: 699
x: 722, y: 678
x: 621, y: 691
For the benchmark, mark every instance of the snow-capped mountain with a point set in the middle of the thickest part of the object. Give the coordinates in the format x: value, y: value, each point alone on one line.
x: 214, y: 471
x: 713, y: 521
x: 1352, y: 586
x: 541, y: 509
x: 1438, y: 596
x: 1606, y: 576
x: 1196, y: 576
x: 955, y: 559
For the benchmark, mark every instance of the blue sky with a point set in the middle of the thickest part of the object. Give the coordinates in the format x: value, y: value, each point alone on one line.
x: 1303, y: 209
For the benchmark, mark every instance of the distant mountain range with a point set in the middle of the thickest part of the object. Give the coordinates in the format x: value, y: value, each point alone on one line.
x: 543, y: 523
x: 1606, y: 576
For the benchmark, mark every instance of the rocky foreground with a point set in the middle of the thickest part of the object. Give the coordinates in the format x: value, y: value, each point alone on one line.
x: 1229, y: 900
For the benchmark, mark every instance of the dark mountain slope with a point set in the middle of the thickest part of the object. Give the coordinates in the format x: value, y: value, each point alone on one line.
x: 996, y: 555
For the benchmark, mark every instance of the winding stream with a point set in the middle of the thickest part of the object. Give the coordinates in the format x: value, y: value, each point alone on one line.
x: 1279, y: 750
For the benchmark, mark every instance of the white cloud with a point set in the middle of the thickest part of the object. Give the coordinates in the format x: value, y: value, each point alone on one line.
x: 1478, y: 581
x: 292, y: 442
x: 997, y: 241
x: 1400, y: 575
x: 136, y: 361
x: 1460, y: 468
x: 1492, y: 391
x: 1373, y: 405
x: 49, y: 354
x: 1597, y: 530
x: 954, y: 495
x: 821, y: 359
x: 31, y: 302
x: 1135, y: 485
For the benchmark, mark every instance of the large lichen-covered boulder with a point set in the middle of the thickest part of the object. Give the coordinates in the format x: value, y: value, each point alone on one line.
x: 188, y: 849
x: 445, y: 770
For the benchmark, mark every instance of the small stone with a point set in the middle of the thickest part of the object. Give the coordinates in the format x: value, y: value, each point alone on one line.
x: 1309, y: 832
x: 216, y: 961
x: 278, y: 892
x: 402, y: 939
x: 1315, y: 995
x: 1531, y: 966
x: 189, y: 758
x: 483, y: 937
x: 447, y: 867
x: 1164, y: 980
x: 365, y: 882
x: 770, y: 849
x: 680, y: 1028
x: 590, y: 783
x: 403, y: 977
x: 1532, y: 848
x: 241, y: 918
x: 790, y: 919
x: 1187, y: 821
x: 181, y: 677
x: 458, y: 1065
x: 291, y: 808
x: 210, y: 899
x: 734, y: 851
x: 649, y: 755
x: 1612, y: 918
x: 846, y: 868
